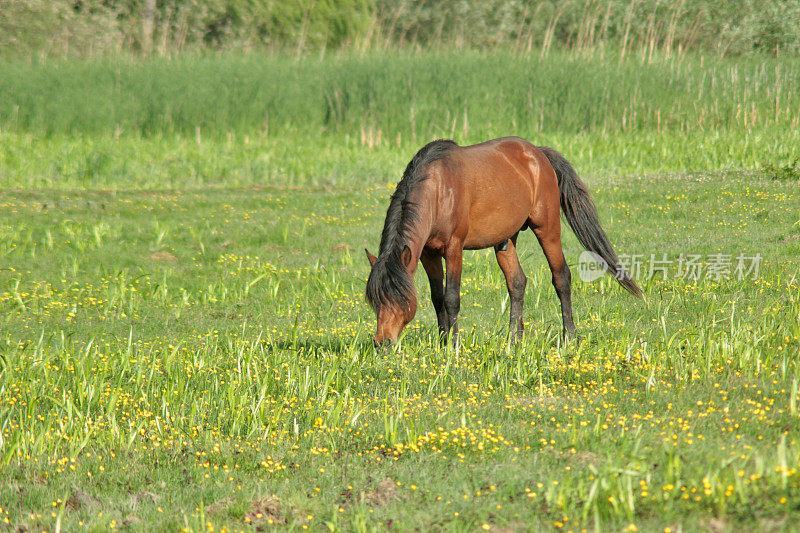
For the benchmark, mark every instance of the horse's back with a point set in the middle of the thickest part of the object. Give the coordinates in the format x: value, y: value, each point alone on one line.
x: 495, y: 188
x: 509, y: 167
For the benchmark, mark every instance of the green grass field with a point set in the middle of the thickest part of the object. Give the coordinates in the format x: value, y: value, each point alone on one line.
x: 184, y: 341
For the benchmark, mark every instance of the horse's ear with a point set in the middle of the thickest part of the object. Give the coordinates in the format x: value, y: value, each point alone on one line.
x: 405, y: 256
x: 370, y: 257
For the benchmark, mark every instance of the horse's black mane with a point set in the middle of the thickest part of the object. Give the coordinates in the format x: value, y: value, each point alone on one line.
x: 389, y: 281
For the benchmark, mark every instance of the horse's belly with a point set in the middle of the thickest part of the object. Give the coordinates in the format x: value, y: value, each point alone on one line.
x: 499, y: 204
x: 492, y: 231
x: 495, y: 218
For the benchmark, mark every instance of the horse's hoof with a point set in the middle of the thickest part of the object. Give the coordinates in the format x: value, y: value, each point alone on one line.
x: 456, y: 346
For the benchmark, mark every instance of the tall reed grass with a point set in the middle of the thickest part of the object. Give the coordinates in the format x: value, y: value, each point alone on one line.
x: 384, y: 95
x: 355, y: 118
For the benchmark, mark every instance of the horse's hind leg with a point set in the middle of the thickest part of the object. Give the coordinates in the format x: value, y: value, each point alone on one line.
x: 432, y: 263
x: 549, y: 236
x: 515, y: 281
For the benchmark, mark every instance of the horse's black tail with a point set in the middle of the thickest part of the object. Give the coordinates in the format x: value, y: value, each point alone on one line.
x: 581, y: 215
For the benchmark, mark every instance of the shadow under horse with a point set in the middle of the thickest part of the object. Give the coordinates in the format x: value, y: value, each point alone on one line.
x: 453, y: 198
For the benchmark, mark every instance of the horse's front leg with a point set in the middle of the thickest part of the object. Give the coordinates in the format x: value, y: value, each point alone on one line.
x: 432, y: 263
x: 452, y: 290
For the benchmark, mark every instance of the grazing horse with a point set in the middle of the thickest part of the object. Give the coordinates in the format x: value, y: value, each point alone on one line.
x: 453, y: 198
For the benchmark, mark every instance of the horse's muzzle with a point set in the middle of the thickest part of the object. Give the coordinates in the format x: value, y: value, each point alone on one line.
x: 384, y: 344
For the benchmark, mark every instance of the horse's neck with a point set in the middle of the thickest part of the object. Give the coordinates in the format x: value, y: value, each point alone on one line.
x: 417, y: 236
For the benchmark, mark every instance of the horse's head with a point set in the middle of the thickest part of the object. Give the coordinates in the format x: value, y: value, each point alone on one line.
x: 390, y: 292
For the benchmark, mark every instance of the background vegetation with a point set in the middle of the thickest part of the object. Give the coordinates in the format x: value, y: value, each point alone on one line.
x: 90, y: 27
x: 269, y: 118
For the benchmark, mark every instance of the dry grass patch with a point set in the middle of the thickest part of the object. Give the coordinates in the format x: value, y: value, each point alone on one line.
x: 270, y: 511
x: 382, y: 493
x: 163, y: 256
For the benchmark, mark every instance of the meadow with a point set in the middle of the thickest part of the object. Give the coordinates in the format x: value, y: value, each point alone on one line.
x: 185, y: 343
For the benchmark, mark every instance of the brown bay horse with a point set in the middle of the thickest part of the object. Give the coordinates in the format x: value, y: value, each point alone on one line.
x: 453, y: 198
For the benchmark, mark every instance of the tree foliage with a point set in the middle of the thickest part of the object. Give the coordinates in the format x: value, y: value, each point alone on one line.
x: 89, y: 27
